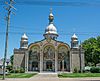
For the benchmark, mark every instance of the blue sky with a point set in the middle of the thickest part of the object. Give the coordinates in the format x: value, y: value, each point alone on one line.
x: 33, y: 19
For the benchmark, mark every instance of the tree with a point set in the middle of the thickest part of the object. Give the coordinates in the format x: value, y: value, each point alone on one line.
x: 11, y: 59
x: 92, y: 51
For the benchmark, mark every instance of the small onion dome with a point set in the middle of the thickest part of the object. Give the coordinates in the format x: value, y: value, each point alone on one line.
x: 74, y: 36
x: 51, y: 29
x: 24, y: 36
x: 51, y: 17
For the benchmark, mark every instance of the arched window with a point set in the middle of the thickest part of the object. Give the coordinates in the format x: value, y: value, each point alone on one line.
x: 34, y: 53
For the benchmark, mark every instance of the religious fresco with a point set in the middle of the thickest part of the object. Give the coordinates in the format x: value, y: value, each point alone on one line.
x: 34, y: 53
x: 49, y: 52
x: 62, y: 52
x: 48, y: 58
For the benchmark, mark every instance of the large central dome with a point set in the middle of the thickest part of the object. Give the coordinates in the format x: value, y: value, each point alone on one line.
x: 51, y: 31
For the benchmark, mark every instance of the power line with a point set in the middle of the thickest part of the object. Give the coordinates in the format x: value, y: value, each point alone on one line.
x: 60, y: 33
x: 54, y: 3
x: 40, y: 30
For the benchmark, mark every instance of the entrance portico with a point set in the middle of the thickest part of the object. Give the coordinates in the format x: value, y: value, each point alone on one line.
x: 48, y: 59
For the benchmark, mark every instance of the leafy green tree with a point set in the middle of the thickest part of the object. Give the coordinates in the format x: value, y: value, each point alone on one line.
x: 92, y: 51
x: 11, y: 59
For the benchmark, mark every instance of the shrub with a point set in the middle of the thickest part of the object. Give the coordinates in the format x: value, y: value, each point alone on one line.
x: 17, y: 71
x: 9, y: 67
x: 86, y: 69
x: 21, y: 70
x: 75, y: 70
x: 95, y: 70
x: 12, y: 71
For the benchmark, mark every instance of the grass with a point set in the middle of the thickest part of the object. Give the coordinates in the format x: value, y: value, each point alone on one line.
x: 77, y: 75
x: 19, y: 75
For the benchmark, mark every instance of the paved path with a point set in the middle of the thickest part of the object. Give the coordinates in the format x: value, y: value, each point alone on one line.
x: 50, y: 77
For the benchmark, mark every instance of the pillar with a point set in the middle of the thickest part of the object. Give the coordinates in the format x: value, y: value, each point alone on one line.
x: 41, y: 60
x: 26, y: 61
x: 70, y: 62
x: 56, y: 61
x: 63, y: 65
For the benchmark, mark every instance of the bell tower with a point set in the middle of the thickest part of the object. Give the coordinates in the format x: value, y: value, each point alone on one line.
x: 77, y: 55
x: 74, y: 41
x: 24, y: 42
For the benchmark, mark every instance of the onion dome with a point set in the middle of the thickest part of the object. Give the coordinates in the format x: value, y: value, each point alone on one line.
x: 74, y: 37
x: 74, y: 41
x: 24, y: 36
x: 24, y: 42
x: 51, y: 30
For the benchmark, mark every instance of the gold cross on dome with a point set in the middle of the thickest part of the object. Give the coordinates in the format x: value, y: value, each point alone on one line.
x: 50, y: 10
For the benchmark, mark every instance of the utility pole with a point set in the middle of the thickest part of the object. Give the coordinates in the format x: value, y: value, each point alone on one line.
x: 7, y: 30
x: 80, y: 51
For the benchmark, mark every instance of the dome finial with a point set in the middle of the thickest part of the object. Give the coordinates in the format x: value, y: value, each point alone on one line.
x: 51, y: 17
x: 50, y: 10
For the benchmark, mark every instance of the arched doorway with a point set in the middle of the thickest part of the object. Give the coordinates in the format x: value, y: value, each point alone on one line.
x: 63, y: 59
x: 49, y: 66
x: 34, y: 58
x: 35, y: 66
x: 49, y: 58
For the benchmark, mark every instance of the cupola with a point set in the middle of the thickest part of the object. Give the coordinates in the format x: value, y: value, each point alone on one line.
x: 51, y: 31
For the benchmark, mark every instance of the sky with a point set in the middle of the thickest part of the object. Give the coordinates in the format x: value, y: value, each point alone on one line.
x: 84, y: 20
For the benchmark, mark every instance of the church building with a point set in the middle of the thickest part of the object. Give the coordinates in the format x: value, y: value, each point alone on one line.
x: 49, y: 54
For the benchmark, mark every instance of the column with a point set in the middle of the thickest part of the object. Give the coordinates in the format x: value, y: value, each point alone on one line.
x: 70, y: 61
x: 56, y: 61
x: 26, y: 61
x: 38, y: 65
x: 41, y: 60
x: 59, y: 66
x: 63, y: 65
x: 44, y: 66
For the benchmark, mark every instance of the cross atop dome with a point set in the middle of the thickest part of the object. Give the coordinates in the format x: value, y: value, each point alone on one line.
x: 50, y: 10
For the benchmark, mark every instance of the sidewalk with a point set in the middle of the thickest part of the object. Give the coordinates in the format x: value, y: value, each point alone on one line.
x: 50, y: 77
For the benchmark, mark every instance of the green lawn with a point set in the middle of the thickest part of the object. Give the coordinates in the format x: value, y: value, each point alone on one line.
x: 19, y: 75
x: 76, y: 75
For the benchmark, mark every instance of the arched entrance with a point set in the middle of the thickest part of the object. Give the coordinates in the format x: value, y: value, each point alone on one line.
x: 49, y: 58
x: 63, y: 58
x: 34, y: 58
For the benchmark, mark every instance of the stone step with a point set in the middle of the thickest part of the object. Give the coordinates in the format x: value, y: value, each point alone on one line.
x: 46, y: 75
